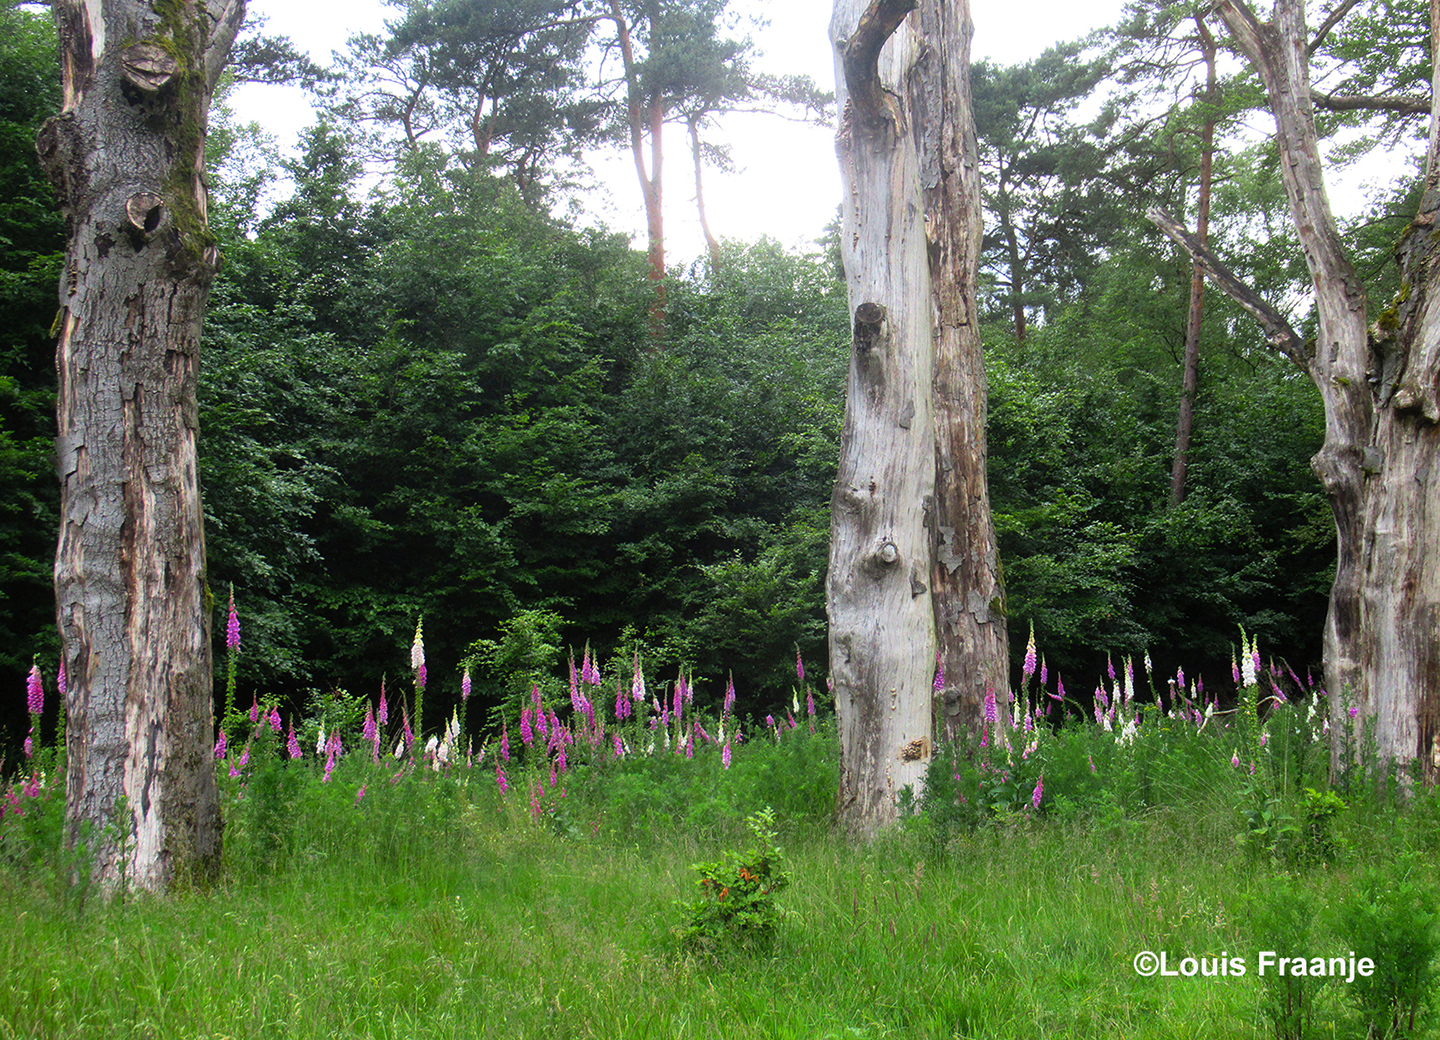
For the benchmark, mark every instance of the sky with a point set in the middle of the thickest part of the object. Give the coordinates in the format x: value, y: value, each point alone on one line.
x: 787, y: 183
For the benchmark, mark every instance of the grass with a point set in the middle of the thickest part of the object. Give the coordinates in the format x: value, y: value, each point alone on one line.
x: 434, y: 907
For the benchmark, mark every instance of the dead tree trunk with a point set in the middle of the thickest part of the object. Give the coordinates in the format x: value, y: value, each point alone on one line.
x: 126, y: 157
x: 1190, y: 376
x: 969, y: 599
x: 906, y: 151
x: 1380, y: 387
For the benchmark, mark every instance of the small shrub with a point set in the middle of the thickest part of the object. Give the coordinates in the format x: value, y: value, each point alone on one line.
x: 1392, y: 920
x: 737, y: 905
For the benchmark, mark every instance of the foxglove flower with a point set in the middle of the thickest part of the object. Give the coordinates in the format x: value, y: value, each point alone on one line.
x: 220, y: 745
x: 417, y: 654
x: 500, y: 780
x: 637, y: 681
x: 939, y: 673
x: 1038, y: 793
x: 254, y: 710
x: 465, y: 684
x: 34, y: 691
x: 62, y: 682
x: 292, y: 744
x: 729, y: 703
x: 232, y: 625
x: 1235, y: 760
x: 382, y: 714
x: 1028, y: 668
x: 274, y: 720
x: 809, y: 706
x: 725, y: 755
x: 992, y: 714
x: 504, y: 744
x: 799, y: 666
x: 527, y: 735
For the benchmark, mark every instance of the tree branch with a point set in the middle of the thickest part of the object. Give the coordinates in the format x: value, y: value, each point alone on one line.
x: 1410, y: 106
x: 1331, y: 20
x: 1278, y: 331
x: 862, y: 56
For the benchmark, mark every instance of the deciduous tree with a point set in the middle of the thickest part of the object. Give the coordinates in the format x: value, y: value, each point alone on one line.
x: 126, y: 157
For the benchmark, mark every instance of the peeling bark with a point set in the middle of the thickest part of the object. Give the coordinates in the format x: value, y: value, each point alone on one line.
x: 910, y: 531
x: 126, y: 158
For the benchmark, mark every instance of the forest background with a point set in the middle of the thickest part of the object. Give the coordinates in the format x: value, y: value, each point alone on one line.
x: 431, y: 395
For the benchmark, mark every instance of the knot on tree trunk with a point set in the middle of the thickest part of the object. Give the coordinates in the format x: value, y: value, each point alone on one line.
x: 148, y: 67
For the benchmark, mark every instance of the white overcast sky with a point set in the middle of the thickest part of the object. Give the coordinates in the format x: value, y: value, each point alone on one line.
x: 787, y: 184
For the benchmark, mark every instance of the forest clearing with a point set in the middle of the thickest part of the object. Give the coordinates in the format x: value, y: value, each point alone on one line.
x: 531, y: 531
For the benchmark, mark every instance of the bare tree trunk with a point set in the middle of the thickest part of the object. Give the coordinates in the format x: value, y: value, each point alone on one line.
x: 907, y: 158
x: 126, y: 156
x: 711, y: 246
x: 968, y: 596
x: 641, y: 114
x: 1190, y: 377
x: 1381, y: 394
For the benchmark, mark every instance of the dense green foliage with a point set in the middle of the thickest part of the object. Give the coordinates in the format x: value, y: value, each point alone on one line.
x: 434, y: 399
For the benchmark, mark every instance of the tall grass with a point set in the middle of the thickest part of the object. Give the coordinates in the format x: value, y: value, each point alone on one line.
x: 371, y: 896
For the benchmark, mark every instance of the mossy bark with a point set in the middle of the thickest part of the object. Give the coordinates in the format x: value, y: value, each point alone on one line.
x: 126, y: 157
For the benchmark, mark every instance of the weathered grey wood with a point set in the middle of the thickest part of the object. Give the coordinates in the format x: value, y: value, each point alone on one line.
x: 126, y: 156
x: 1380, y: 386
x: 910, y: 509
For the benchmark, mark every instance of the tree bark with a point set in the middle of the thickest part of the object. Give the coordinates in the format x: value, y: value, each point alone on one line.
x: 968, y: 595
x: 1381, y: 393
x: 911, y: 489
x: 126, y: 157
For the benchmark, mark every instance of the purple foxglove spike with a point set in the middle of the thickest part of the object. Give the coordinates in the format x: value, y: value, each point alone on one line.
x: 799, y: 666
x: 232, y: 625
x: 292, y: 743
x: 527, y: 736
x: 1038, y: 793
x: 725, y: 755
x: 809, y: 704
x: 465, y: 684
x: 500, y: 779
x: 34, y: 691
x: 382, y: 717
x: 274, y: 720
x: 254, y: 710
x: 220, y: 745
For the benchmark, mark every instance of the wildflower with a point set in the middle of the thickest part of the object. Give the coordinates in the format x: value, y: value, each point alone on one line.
x: 527, y: 736
x: 292, y: 744
x: 504, y: 744
x: 34, y: 691
x: 1044, y: 672
x: 500, y: 780
x: 1264, y: 738
x: 809, y: 706
x: 465, y: 683
x: 232, y: 625
x: 369, y: 731
x: 320, y: 742
x: 254, y: 710
x: 939, y: 672
x: 1249, y: 659
x: 729, y: 703
x: 359, y: 794
x: 220, y: 745
x: 690, y: 744
x: 382, y: 713
x: 62, y: 682
x: 725, y: 755
x: 1278, y: 694
x: 417, y: 654
x: 1354, y: 712
x: 1038, y: 793
x: 245, y: 756
x: 1091, y: 761
x: 637, y: 681
x: 1235, y: 760
x: 799, y: 666
x: 29, y: 746
x: 1028, y: 668
x: 1128, y: 692
x: 770, y: 721
x: 274, y: 720
x: 992, y: 714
